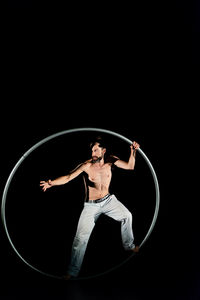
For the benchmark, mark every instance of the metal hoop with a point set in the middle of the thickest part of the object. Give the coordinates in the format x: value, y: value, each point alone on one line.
x: 52, y: 137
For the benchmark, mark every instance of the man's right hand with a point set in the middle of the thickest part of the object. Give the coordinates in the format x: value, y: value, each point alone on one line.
x: 46, y: 184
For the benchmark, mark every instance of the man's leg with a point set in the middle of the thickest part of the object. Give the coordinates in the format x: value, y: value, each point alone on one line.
x: 86, y: 224
x: 116, y: 210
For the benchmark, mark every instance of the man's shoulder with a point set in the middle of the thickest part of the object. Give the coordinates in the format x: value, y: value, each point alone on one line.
x: 87, y: 164
x: 111, y: 159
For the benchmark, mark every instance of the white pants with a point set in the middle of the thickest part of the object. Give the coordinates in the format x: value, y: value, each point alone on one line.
x: 90, y: 213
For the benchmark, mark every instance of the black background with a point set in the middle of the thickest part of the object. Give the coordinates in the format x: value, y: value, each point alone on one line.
x: 129, y: 70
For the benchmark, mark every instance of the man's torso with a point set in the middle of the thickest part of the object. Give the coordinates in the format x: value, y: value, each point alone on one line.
x: 97, y: 180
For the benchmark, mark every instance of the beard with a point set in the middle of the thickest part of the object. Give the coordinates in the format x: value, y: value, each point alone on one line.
x: 96, y: 159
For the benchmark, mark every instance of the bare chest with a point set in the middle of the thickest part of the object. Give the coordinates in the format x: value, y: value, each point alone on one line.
x: 100, y: 175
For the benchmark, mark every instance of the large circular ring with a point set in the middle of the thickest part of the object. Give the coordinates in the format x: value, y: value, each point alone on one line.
x: 50, y: 138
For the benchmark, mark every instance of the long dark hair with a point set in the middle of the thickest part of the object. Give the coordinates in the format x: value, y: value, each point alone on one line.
x: 98, y: 140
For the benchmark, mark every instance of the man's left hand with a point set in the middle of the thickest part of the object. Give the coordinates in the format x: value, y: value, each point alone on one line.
x: 135, y: 145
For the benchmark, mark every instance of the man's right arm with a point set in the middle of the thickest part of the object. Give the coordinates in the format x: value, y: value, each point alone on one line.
x: 64, y: 179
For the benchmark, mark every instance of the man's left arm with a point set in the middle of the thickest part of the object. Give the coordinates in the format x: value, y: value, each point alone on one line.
x: 131, y: 162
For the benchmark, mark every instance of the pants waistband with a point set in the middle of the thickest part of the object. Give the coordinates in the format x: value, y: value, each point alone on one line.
x: 99, y: 200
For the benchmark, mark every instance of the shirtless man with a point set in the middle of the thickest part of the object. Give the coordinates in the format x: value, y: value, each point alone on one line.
x: 98, y: 173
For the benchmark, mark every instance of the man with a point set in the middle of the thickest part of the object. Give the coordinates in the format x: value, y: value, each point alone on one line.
x: 97, y: 173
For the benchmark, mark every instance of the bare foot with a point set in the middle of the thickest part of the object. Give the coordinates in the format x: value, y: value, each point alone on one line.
x: 67, y: 277
x: 136, y: 249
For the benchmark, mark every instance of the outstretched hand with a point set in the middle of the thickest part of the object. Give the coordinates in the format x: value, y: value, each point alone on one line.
x: 135, y: 145
x: 45, y: 185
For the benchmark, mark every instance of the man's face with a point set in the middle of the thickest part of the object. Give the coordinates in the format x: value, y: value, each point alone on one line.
x: 97, y: 153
